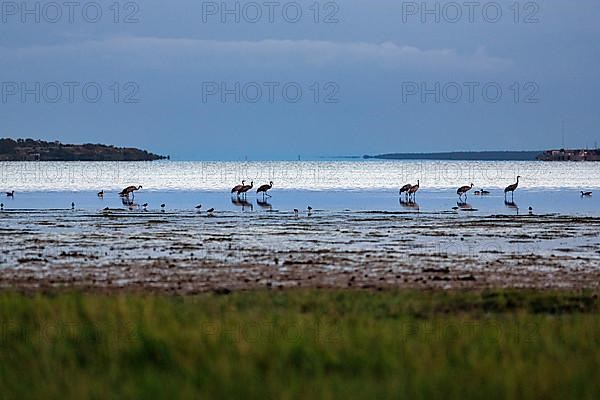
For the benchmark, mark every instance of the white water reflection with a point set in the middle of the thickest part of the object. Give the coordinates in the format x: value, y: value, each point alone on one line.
x: 305, y: 175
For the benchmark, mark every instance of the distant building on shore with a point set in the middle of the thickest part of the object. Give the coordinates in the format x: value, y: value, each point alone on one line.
x: 570, y: 155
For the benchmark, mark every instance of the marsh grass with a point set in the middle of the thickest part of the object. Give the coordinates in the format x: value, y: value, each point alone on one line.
x: 305, y: 343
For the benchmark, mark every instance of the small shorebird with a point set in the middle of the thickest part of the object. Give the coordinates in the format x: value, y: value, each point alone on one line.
x: 264, y: 189
x: 10, y: 194
x: 101, y: 193
x: 512, y: 188
x: 162, y: 207
x: 413, y: 190
x: 72, y: 205
x: 586, y: 194
x: 129, y: 190
x: 309, y: 210
x: 199, y: 206
x: 295, y: 212
x: 210, y: 211
x: 530, y: 210
x: 237, y: 188
x: 245, y: 188
x: 145, y: 205
x: 404, y: 189
x: 463, y: 190
x: 1, y: 206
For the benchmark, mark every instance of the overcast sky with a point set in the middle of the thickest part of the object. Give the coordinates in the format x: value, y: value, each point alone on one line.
x: 343, y: 78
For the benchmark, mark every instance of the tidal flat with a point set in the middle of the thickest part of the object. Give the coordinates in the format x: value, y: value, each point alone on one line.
x: 189, y: 252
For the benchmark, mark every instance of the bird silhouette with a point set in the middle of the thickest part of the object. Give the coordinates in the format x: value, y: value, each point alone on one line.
x: 404, y: 189
x: 264, y: 189
x: 413, y: 190
x: 237, y: 188
x: 511, y: 188
x: 129, y: 190
x: 244, y: 189
x: 463, y: 190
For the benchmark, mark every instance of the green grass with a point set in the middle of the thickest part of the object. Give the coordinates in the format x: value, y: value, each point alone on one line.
x: 296, y: 344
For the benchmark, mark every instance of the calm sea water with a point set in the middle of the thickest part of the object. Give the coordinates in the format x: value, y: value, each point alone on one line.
x: 548, y: 187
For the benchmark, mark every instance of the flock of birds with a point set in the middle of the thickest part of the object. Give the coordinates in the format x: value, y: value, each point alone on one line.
x: 409, y: 191
x: 240, y: 191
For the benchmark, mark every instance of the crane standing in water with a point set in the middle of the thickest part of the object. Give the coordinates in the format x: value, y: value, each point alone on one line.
x: 264, y: 189
x: 463, y: 191
x: 511, y: 188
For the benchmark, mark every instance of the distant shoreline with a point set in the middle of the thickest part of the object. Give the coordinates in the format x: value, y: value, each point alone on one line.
x: 462, y: 156
x: 39, y: 150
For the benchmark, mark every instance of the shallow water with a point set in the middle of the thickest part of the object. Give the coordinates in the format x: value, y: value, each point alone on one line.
x: 547, y: 187
x: 567, y: 202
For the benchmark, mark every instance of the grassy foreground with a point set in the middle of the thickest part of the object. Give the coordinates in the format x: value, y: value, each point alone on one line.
x: 294, y: 344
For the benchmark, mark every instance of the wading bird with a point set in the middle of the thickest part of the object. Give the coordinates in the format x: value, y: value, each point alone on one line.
x: 245, y: 188
x: 463, y: 191
x: 586, y: 194
x: 10, y: 194
x: 404, y: 189
x: 237, y: 188
x: 129, y: 190
x: 511, y: 188
x: 413, y: 190
x: 101, y: 193
x: 264, y: 189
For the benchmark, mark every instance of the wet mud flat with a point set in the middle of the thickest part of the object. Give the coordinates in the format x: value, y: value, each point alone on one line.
x: 190, y: 252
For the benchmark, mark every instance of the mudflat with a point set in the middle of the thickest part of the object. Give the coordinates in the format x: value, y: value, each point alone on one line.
x: 189, y: 252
